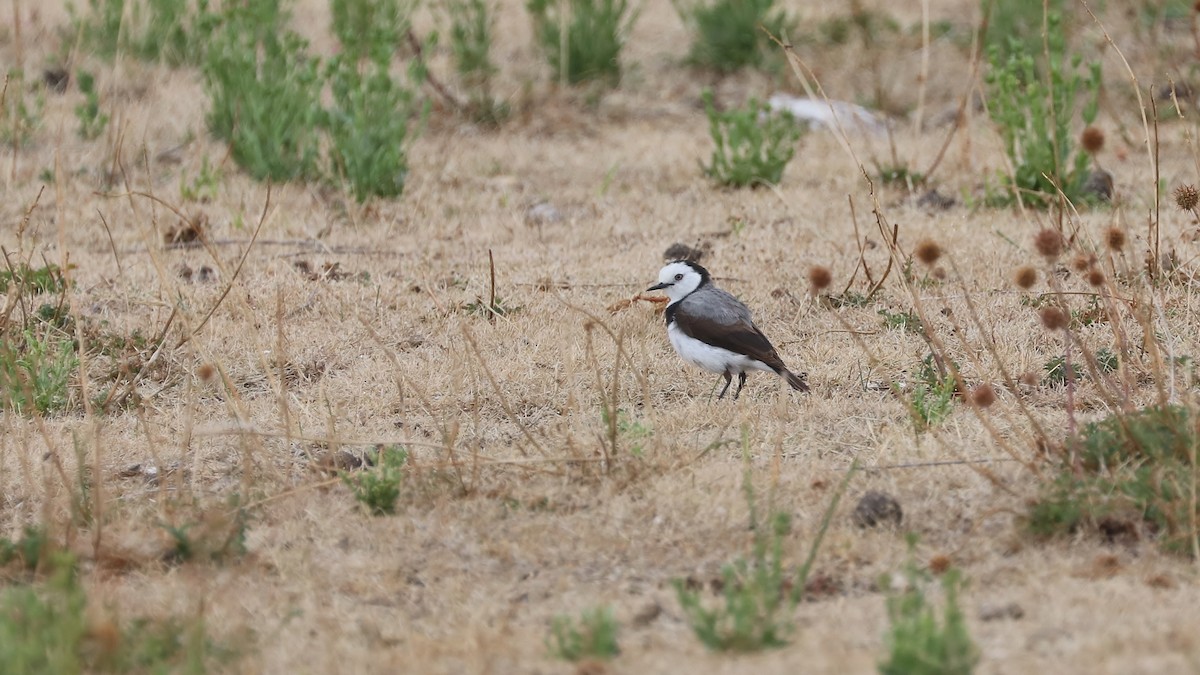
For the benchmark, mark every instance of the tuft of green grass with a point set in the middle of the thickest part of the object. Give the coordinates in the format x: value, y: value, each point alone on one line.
x: 932, y: 396
x: 216, y: 535
x: 30, y: 550
x: 906, y: 321
x: 174, y: 32
x: 756, y: 613
x: 20, y: 110
x: 265, y: 92
x: 1034, y: 110
x: 369, y: 29
x: 1135, y: 469
x: 918, y: 642
x: 471, y: 27
x: 203, y: 187
x: 1057, y: 372
x: 758, y: 595
x: 368, y: 126
x: 33, y: 280
x: 590, y: 49
x: 727, y: 35
x: 92, y: 120
x: 378, y: 488
x: 35, y: 372
x: 622, y: 431
x: 45, y: 628
x: 751, y: 145
x: 593, y: 636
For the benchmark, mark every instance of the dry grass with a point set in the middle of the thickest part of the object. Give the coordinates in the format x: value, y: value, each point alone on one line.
x: 517, y: 509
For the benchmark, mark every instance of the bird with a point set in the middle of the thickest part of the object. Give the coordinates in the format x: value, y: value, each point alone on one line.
x: 711, y: 329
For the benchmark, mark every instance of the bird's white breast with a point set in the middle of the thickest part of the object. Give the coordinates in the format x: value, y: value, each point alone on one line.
x: 710, y: 358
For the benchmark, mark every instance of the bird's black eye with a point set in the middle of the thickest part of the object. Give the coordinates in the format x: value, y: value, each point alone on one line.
x: 678, y: 277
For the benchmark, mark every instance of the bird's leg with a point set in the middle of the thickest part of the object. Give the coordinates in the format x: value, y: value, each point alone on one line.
x: 741, y: 383
x: 728, y: 379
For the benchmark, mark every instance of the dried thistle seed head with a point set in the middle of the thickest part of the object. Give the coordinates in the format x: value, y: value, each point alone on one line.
x: 1049, y: 243
x: 819, y: 277
x: 1115, y: 238
x: 928, y: 251
x: 1092, y: 140
x: 1028, y: 379
x: 939, y: 563
x: 1081, y: 262
x: 1186, y: 197
x: 1025, y: 277
x: 206, y: 372
x: 1053, y: 318
x: 983, y: 396
x: 1095, y: 277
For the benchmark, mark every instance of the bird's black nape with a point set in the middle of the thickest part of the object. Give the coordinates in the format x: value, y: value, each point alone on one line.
x: 705, y: 277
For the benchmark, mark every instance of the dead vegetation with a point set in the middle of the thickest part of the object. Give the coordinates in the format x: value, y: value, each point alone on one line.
x: 245, y: 359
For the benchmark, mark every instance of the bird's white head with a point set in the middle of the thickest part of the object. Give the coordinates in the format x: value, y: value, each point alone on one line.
x: 680, y: 278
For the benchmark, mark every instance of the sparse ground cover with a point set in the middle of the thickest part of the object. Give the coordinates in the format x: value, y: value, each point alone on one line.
x: 392, y: 405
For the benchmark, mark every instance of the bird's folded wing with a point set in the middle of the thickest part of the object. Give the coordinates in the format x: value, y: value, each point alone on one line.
x: 741, y: 337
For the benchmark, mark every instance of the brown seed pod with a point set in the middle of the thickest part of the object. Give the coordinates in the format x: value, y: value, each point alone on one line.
x: 1049, y: 243
x: 206, y: 372
x: 928, y: 251
x: 819, y: 277
x: 1092, y: 140
x: 1186, y: 197
x: 1025, y: 277
x: 1095, y: 277
x: 1115, y: 238
x: 983, y: 396
x: 1053, y: 318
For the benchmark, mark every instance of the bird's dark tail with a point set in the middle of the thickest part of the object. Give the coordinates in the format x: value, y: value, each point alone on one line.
x: 797, y: 382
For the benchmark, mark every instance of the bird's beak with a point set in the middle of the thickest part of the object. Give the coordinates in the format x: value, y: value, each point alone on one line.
x: 658, y: 287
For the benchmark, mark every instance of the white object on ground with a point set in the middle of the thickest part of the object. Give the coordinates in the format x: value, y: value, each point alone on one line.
x: 820, y: 113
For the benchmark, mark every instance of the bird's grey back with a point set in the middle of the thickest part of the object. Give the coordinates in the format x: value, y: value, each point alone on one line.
x: 717, y: 305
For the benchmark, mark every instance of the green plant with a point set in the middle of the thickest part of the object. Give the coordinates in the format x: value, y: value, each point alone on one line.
x: 1015, y: 26
x: 728, y: 35
x: 757, y: 601
x: 932, y: 395
x: 151, y: 30
x: 1034, y: 112
x: 756, y: 612
x: 906, y: 321
x: 590, y: 49
x: 265, y: 94
x: 100, y: 30
x: 752, y: 146
x: 368, y: 29
x: 35, y: 372
x: 379, y: 487
x: 918, y: 643
x: 20, y: 112
x: 497, y: 307
x: 623, y: 430
x: 593, y: 636
x: 368, y: 126
x: 91, y: 120
x: 33, y: 280
x: 204, y: 186
x: 45, y: 628
x: 1056, y: 368
x: 471, y: 24
x: 29, y: 550
x: 1130, y: 468
x: 42, y: 629
x: 216, y: 535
